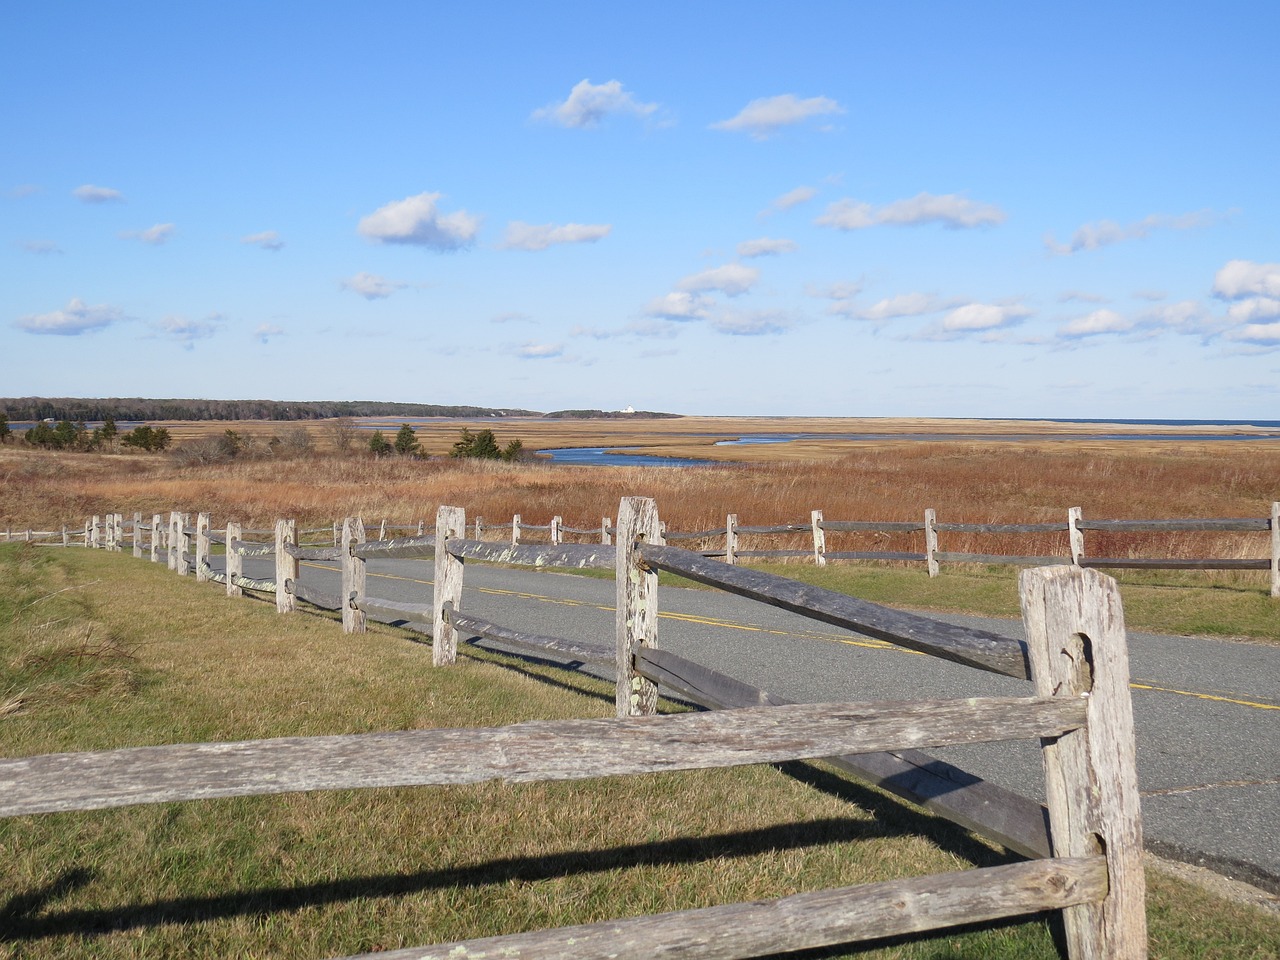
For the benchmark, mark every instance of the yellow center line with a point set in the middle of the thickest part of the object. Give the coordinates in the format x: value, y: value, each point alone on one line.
x: 869, y: 644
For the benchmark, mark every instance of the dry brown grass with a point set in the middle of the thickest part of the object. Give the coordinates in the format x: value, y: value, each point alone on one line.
x: 893, y: 480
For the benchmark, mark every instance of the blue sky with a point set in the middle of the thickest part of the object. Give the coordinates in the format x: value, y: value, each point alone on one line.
x: 834, y: 209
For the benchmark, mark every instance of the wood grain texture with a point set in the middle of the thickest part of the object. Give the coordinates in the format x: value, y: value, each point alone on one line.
x: 575, y: 555
x: 451, y: 523
x: 819, y: 538
x: 234, y: 559
x: 1075, y: 630
x: 1175, y: 526
x: 1174, y: 563
x: 636, y: 607
x: 799, y: 922
x: 314, y: 553
x: 1009, y: 558
x: 1002, y: 527
x: 872, y: 526
x: 535, y: 643
x: 286, y: 534
x: 317, y: 598
x: 976, y: 648
x: 354, y: 576
x: 1008, y: 818
x: 202, y: 546
x: 527, y: 752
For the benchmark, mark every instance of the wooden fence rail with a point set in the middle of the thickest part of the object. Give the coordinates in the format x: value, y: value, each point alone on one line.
x: 1088, y: 839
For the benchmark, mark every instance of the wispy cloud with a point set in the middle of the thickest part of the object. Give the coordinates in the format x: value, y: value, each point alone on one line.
x: 1095, y: 324
x: 266, y: 331
x: 765, y: 247
x: 902, y: 305
x: 88, y: 193
x: 732, y: 280
x: 1103, y: 233
x: 43, y: 247
x: 983, y: 319
x: 679, y: 306
x: 539, y: 351
x: 1080, y: 296
x: 512, y: 317
x: 24, y: 190
x: 751, y: 323
x: 792, y: 198
x: 764, y: 117
x: 951, y: 210
x: 1265, y: 334
x: 528, y: 236
x: 416, y: 220
x: 71, y: 321
x: 267, y: 240
x: 154, y: 236
x: 188, y: 331
x: 841, y: 290
x: 588, y: 104
x: 371, y: 286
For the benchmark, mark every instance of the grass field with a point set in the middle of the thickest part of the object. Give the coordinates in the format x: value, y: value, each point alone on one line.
x: 101, y: 651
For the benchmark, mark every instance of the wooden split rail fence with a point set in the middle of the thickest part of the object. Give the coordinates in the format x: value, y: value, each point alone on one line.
x: 1086, y: 847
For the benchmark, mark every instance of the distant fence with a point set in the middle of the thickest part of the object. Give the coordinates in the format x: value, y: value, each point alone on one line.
x: 1088, y: 855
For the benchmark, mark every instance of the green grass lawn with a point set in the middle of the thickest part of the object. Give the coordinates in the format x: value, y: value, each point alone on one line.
x: 100, y: 650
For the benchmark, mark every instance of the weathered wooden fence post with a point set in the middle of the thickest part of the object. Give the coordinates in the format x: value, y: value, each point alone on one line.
x: 605, y: 538
x: 479, y: 528
x: 731, y: 539
x: 157, y: 536
x: 556, y: 535
x: 117, y: 521
x: 235, y: 561
x: 450, y: 522
x: 66, y: 539
x: 1077, y: 648
x: 931, y: 541
x: 1275, y: 549
x: 175, y: 539
x: 819, y: 538
x: 382, y: 530
x: 92, y: 530
x: 88, y: 533
x: 184, y: 543
x: 137, y: 535
x: 1074, y: 516
x: 422, y: 527
x: 637, y: 605
x: 202, y: 547
x: 353, y: 575
x: 515, y: 530
x: 286, y: 564
x: 337, y: 533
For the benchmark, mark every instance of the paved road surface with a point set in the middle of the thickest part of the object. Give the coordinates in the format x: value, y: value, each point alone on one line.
x: 1207, y: 712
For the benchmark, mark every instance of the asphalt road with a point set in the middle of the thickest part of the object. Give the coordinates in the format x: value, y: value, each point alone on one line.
x: 1207, y: 712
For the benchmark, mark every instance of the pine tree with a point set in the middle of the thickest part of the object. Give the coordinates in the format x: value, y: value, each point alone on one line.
x: 378, y: 445
x: 406, y: 441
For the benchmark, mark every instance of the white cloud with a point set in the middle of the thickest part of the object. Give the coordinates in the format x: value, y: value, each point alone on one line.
x: 1245, y: 278
x: 903, y: 305
x: 154, y: 236
x: 1254, y: 308
x: 1184, y: 316
x: 1095, y: 323
x: 266, y: 331
x: 765, y: 247
x: 1103, y: 233
x: 1263, y: 333
x: 764, y: 117
x: 1070, y: 296
x: 754, y: 323
x: 792, y: 198
x: 539, y: 351
x: 371, y: 286
x: 588, y: 104
x: 41, y: 246
x: 1153, y: 295
x: 982, y: 316
x: 680, y: 306
x: 951, y: 210
x: 88, y: 193
x: 842, y: 290
x: 24, y: 190
x: 186, y: 331
x: 528, y: 236
x: 267, y: 240
x: 732, y: 279
x: 76, y: 318
x: 415, y: 220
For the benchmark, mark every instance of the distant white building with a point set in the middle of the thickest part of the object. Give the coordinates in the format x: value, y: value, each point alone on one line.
x: 628, y: 409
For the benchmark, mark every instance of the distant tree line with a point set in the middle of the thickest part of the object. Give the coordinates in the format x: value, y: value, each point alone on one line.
x: 66, y: 435
x: 136, y: 408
